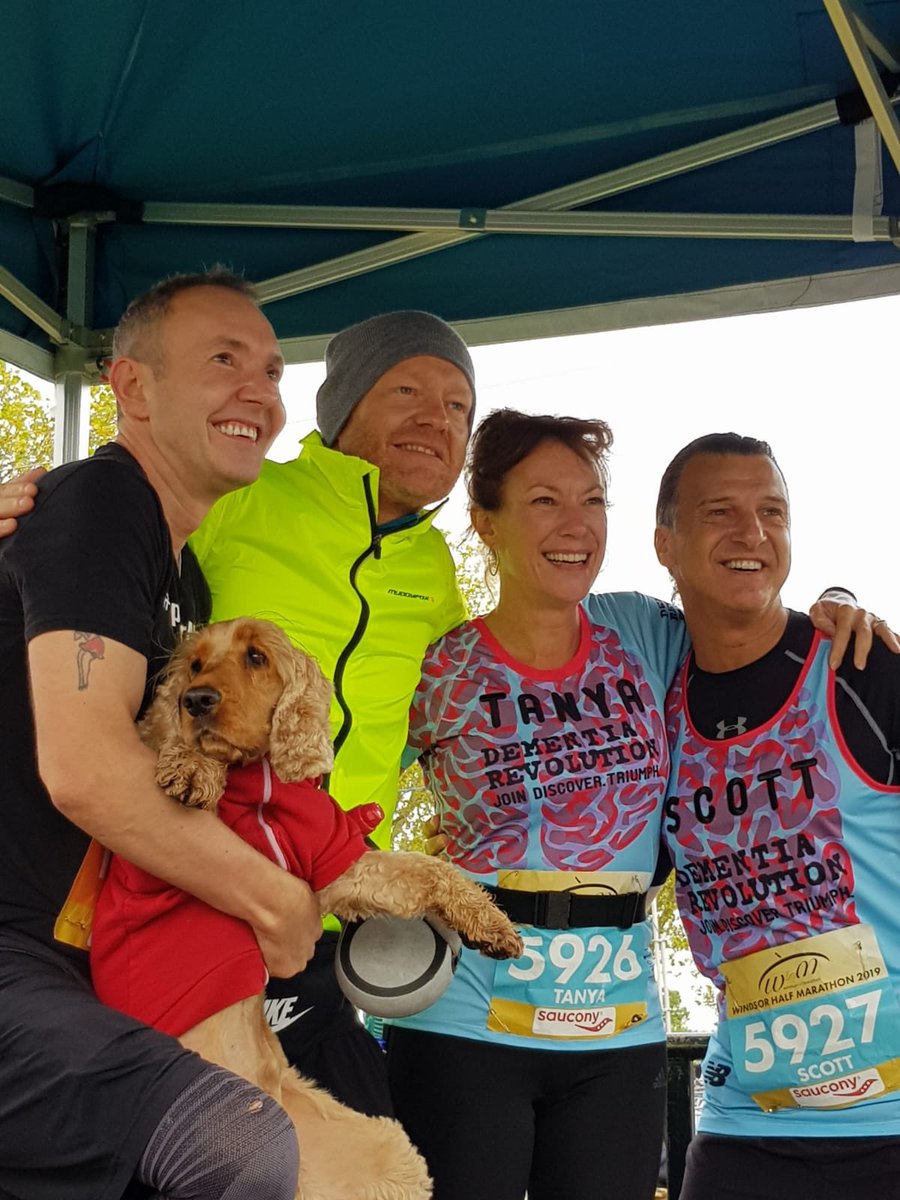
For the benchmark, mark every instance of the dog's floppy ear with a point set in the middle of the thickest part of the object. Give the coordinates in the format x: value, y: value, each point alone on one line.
x: 160, y: 726
x: 300, y: 744
x: 181, y: 770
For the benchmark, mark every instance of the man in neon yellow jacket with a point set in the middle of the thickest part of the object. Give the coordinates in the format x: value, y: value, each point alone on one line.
x: 337, y: 547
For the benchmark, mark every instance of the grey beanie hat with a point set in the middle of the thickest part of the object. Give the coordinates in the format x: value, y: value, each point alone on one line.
x: 357, y: 357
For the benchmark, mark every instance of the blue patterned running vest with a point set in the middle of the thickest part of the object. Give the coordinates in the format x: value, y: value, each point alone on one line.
x: 787, y: 865
x: 554, y: 780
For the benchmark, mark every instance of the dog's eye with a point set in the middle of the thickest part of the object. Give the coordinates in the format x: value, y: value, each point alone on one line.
x: 256, y: 658
x: 196, y: 666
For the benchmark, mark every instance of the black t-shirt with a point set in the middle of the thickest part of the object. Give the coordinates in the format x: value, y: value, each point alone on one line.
x: 867, y: 702
x: 95, y: 557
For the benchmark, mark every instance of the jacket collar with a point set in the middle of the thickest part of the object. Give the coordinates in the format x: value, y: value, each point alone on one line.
x: 345, y: 473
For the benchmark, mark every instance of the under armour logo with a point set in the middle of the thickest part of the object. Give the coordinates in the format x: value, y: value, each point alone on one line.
x: 738, y: 728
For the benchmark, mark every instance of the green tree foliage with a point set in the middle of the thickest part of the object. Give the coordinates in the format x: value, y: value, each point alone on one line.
x: 472, y: 576
x: 103, y: 417
x: 671, y: 931
x: 679, y: 1018
x: 26, y: 423
x: 26, y: 426
x: 415, y: 805
x: 671, y: 947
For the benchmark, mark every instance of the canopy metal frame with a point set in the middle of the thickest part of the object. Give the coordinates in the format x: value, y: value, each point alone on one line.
x: 78, y: 349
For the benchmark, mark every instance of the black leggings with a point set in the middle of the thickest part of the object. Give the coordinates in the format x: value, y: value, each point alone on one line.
x: 222, y: 1139
x: 494, y: 1121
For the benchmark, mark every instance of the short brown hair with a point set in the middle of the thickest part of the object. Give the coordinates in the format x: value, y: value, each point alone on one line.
x: 506, y: 437
x: 710, y: 443
x: 135, y: 332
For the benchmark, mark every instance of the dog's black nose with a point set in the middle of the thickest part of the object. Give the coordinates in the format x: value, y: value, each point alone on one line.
x: 201, y: 701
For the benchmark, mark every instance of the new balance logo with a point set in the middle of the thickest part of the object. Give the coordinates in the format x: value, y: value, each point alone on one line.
x: 280, y: 1013
x: 739, y: 727
x: 715, y: 1074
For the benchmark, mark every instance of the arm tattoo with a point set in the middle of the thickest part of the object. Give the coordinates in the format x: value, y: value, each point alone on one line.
x: 90, y: 646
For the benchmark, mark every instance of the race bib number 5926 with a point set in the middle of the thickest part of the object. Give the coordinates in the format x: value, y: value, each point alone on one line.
x: 571, y: 984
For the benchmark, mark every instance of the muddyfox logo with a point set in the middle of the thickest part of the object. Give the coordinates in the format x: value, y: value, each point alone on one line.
x: 575, y: 1022
x: 410, y: 595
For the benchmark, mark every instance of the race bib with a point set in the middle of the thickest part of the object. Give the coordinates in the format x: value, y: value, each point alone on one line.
x: 814, y: 1023
x: 573, y: 983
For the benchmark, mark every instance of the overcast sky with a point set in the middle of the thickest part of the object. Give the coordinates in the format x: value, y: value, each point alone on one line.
x: 816, y: 383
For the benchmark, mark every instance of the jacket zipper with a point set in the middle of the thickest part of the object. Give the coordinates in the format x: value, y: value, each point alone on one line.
x: 373, y: 549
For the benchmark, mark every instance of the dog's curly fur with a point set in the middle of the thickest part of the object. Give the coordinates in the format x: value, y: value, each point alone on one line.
x: 274, y: 700
x: 233, y: 693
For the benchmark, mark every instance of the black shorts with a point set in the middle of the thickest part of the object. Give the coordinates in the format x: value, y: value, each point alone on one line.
x: 82, y: 1087
x: 791, y: 1168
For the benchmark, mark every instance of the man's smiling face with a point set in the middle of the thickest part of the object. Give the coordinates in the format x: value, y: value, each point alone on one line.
x: 209, y: 385
x: 729, y: 546
x: 413, y: 424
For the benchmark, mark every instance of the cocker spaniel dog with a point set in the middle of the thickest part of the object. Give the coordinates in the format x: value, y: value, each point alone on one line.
x: 240, y: 725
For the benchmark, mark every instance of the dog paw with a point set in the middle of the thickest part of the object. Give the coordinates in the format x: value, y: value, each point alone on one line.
x: 196, y: 783
x: 502, y: 943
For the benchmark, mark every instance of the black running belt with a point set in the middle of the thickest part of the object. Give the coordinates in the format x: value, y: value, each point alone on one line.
x: 570, y: 910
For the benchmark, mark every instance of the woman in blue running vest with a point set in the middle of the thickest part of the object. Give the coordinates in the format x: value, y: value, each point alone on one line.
x: 542, y: 737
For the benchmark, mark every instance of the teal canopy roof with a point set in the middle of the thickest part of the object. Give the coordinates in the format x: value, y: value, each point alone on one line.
x: 520, y: 168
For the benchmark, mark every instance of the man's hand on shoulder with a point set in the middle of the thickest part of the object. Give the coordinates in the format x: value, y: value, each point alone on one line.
x: 17, y: 499
x: 837, y: 615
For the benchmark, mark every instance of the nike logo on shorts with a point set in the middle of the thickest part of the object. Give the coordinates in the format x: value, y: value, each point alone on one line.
x: 280, y: 1014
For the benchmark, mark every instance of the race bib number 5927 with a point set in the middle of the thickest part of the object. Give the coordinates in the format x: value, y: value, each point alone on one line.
x: 814, y: 1023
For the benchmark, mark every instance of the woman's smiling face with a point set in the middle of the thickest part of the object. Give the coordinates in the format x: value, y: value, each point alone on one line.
x: 549, y: 533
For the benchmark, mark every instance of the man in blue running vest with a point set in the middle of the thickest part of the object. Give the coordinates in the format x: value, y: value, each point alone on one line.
x: 783, y: 826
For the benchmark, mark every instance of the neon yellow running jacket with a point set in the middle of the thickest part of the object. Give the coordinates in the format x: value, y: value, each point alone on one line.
x: 301, y: 547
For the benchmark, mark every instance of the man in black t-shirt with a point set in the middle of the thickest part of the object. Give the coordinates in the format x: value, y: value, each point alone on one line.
x: 782, y: 823
x: 96, y: 586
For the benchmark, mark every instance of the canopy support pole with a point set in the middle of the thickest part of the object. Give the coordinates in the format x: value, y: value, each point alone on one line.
x: 598, y: 187
x: 72, y: 421
x: 34, y: 308
x: 609, y: 223
x: 609, y: 183
x: 858, y: 41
